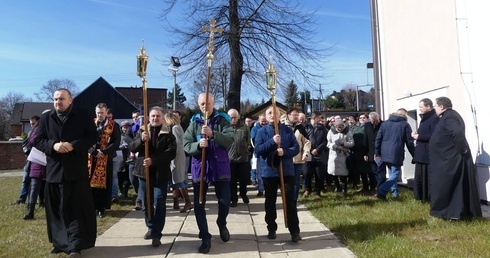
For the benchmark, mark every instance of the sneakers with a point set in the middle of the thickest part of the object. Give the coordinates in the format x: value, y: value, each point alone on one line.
x: 224, y: 234
x: 272, y: 235
x: 205, y: 246
x: 296, y: 237
x: 156, y: 242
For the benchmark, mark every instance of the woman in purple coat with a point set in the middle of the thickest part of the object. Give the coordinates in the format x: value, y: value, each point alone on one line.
x: 37, y: 173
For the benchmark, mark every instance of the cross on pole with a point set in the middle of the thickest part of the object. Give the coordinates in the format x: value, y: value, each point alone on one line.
x: 211, y: 29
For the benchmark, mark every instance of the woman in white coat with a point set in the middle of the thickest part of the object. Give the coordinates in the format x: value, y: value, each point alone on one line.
x: 177, y: 165
x: 339, y: 141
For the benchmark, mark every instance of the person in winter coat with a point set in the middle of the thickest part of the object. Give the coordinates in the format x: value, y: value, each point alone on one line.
x: 178, y: 165
x: 216, y: 136
x: 389, y: 148
x: 315, y: 167
x: 271, y: 156
x: 427, y: 125
x: 454, y: 191
x: 304, y: 147
x: 37, y: 174
x: 339, y: 141
x: 162, y: 149
x: 239, y: 158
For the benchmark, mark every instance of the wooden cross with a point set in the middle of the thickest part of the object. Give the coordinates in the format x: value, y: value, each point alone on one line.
x: 211, y: 29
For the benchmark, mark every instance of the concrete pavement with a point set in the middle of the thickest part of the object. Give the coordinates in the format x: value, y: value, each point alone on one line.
x: 247, y: 229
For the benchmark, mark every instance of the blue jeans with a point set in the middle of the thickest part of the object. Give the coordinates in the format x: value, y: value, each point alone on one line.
x: 298, y: 168
x: 115, y: 186
x: 134, y: 181
x: 222, y: 191
x: 158, y: 209
x: 34, y: 190
x: 379, y: 173
x: 260, y: 182
x: 25, y: 186
x: 391, y: 183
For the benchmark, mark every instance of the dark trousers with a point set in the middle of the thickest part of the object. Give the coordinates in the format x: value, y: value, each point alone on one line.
x: 271, y: 184
x: 25, y: 186
x: 421, y: 182
x: 35, y: 190
x: 315, y: 169
x: 222, y: 191
x: 240, y: 176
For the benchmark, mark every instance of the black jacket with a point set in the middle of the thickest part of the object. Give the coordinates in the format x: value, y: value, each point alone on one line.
x: 78, y: 129
x: 371, y: 131
x: 427, y: 124
x: 161, y: 155
x: 318, y: 137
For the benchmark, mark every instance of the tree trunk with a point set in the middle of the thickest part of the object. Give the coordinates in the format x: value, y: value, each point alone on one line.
x: 236, y: 65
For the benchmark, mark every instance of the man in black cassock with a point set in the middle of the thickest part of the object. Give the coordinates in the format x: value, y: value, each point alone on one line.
x: 453, y: 188
x: 65, y: 135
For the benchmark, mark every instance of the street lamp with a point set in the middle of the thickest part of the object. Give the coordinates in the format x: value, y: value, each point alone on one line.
x: 174, y: 68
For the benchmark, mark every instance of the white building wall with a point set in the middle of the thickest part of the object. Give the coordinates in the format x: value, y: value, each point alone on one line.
x: 438, y: 48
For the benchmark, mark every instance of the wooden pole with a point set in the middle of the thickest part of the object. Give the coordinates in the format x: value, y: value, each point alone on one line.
x: 147, y: 151
x: 281, y: 172
x: 211, y: 29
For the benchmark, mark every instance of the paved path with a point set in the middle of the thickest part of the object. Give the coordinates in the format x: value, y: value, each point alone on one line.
x: 247, y: 229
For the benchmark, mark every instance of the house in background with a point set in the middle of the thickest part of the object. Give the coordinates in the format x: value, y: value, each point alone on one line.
x: 23, y: 113
x: 121, y: 100
x: 101, y: 91
x: 429, y: 49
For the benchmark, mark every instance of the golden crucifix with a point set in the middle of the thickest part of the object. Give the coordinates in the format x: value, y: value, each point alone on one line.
x: 211, y: 29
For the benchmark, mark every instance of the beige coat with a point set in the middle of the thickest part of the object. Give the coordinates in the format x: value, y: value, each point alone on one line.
x: 337, y: 158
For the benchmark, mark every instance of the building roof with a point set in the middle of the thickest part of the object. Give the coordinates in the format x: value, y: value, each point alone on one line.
x: 254, y: 113
x: 24, y: 111
x: 100, y: 91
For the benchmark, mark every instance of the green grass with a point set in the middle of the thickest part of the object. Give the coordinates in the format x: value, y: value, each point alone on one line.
x: 20, y: 238
x: 398, y: 228
x: 369, y: 228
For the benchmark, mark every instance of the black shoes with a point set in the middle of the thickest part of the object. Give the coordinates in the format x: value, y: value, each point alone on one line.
x: 75, y: 254
x: 224, y: 234
x: 272, y: 235
x: 245, y: 199
x: 56, y: 251
x: 17, y: 202
x: 296, y: 237
x: 233, y: 204
x: 260, y: 194
x: 147, y: 235
x: 155, y: 242
x: 205, y: 246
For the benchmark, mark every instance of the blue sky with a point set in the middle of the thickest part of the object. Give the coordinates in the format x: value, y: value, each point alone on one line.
x: 85, y: 39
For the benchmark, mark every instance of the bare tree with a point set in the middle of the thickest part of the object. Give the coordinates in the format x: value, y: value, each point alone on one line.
x: 7, y: 104
x: 45, y: 94
x: 349, y: 94
x: 253, y: 31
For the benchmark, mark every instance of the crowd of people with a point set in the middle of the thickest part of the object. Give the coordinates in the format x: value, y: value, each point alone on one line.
x: 92, y: 162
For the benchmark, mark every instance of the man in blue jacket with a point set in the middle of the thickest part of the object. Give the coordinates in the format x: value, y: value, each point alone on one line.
x: 389, y: 148
x: 272, y: 156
